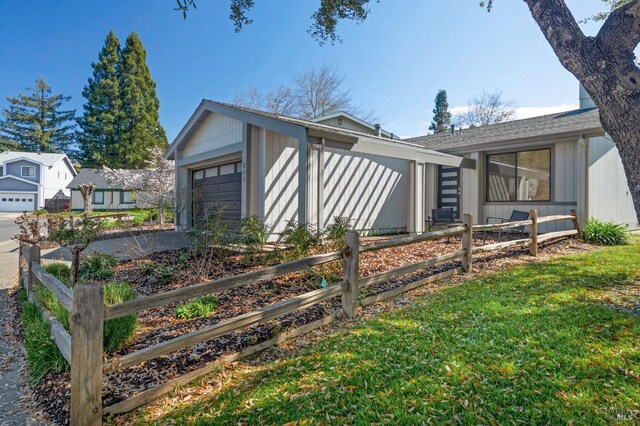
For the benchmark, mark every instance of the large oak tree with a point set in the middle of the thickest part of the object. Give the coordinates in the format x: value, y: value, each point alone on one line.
x: 605, y: 64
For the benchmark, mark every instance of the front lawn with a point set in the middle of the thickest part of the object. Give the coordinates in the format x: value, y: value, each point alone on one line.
x: 542, y: 343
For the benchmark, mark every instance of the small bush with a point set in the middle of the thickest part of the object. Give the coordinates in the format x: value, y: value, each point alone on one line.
x: 337, y: 231
x: 43, y: 356
x: 97, y: 267
x: 155, y: 273
x: 118, y: 331
x: 605, y: 233
x: 59, y: 270
x: 300, y: 239
x: 253, y: 231
x: 197, y: 308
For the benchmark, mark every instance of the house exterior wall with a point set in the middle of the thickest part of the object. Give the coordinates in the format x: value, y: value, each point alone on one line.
x: 216, y: 131
x: 348, y: 124
x: 111, y: 201
x: 15, y: 168
x: 608, y: 191
x: 17, y: 185
x: 56, y: 178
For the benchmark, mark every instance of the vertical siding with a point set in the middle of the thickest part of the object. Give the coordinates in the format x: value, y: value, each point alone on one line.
x: 565, y: 171
x: 609, y: 197
x: 281, y: 181
x: 214, y: 132
x: 370, y: 190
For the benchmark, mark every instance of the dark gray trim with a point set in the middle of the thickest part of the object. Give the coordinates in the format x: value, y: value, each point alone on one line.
x: 211, y: 155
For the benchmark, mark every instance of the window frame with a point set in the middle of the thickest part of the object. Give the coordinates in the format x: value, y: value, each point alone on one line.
x: 94, y: 201
x: 27, y: 167
x: 516, y: 152
x: 122, y: 201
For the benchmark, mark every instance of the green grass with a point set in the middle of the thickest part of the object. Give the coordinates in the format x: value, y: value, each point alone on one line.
x: 197, y: 308
x: 118, y: 331
x: 532, y: 345
x: 59, y: 270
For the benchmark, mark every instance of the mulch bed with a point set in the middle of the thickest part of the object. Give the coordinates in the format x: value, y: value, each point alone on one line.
x: 160, y: 324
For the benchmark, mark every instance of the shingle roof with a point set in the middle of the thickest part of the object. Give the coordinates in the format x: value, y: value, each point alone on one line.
x: 48, y: 159
x: 575, y: 121
x: 95, y: 176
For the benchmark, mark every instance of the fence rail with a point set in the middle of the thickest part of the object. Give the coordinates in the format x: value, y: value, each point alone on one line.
x: 82, y: 348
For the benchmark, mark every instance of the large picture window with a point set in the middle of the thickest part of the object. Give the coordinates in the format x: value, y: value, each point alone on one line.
x: 519, y: 176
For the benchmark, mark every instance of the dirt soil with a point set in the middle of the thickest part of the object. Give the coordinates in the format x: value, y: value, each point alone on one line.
x: 165, y: 271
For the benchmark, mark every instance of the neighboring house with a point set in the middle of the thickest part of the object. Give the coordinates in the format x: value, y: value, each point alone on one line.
x: 106, y: 196
x: 28, y: 179
x: 252, y: 163
x: 347, y: 121
x: 554, y: 163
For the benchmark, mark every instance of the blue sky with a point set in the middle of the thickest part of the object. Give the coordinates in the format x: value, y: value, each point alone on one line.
x: 394, y: 63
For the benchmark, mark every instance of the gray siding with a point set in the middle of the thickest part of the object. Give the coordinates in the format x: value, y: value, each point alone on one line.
x: 16, y: 185
x: 15, y: 169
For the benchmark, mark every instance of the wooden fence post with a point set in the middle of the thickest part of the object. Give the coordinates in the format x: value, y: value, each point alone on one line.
x: 533, y: 233
x: 576, y: 222
x: 22, y: 262
x: 33, y: 255
x: 86, y: 323
x: 351, y: 274
x: 467, y: 243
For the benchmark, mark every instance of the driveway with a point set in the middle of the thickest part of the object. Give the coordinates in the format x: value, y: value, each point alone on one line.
x: 8, y: 249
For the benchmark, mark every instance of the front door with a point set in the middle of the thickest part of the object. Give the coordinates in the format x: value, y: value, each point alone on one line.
x: 449, y: 188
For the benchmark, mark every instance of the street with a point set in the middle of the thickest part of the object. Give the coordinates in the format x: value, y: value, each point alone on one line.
x: 8, y: 249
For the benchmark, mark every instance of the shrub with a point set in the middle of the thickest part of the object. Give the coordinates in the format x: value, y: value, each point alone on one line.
x: 337, y: 231
x: 160, y: 274
x: 43, y: 356
x: 118, y: 331
x: 253, y: 231
x: 140, y: 217
x: 98, y: 267
x: 605, y: 233
x: 300, y: 239
x: 59, y: 270
x: 197, y: 308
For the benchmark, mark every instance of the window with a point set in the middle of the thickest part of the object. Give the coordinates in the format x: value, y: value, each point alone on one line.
x: 126, y: 197
x: 28, y: 171
x: 30, y: 200
x: 212, y: 172
x: 339, y: 120
x: 519, y: 176
x: 198, y: 174
x: 227, y: 169
x: 4, y: 199
x: 98, y: 197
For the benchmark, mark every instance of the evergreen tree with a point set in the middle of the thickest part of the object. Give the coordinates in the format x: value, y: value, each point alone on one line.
x: 36, y: 121
x: 441, y: 115
x: 99, y: 136
x: 140, y: 125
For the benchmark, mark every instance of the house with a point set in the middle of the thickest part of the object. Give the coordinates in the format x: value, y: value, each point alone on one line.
x: 348, y: 121
x: 106, y: 196
x: 554, y: 163
x: 252, y: 163
x: 29, y: 179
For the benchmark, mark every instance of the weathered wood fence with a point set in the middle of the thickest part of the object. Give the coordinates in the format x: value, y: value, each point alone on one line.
x: 82, y: 347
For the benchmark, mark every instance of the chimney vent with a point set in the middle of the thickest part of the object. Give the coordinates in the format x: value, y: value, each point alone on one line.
x: 378, y: 130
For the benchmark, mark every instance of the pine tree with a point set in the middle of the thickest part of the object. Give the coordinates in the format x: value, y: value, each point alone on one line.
x: 36, y: 121
x: 441, y: 115
x: 100, y: 133
x: 141, y: 127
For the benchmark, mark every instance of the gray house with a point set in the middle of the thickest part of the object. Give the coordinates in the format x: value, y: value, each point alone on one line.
x: 554, y: 163
x: 28, y: 179
x: 107, y: 195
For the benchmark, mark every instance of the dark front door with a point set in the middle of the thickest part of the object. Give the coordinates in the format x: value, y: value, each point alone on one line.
x: 449, y: 188
x: 218, y: 187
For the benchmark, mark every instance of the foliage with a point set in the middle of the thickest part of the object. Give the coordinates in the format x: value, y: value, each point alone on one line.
x: 208, y: 240
x: 36, y: 121
x: 79, y: 233
x: 43, y: 356
x: 59, y: 270
x: 300, y: 239
x: 441, y: 114
x: 97, y: 267
x: 534, y: 343
x: 99, y: 131
x: 253, y: 231
x: 486, y: 109
x: 8, y: 145
x: 162, y: 274
x: 31, y: 227
x: 337, y: 231
x: 605, y: 233
x: 118, y: 331
x: 197, y: 308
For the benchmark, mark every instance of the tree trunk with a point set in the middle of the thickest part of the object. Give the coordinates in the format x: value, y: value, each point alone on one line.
x: 86, y: 190
x: 75, y: 265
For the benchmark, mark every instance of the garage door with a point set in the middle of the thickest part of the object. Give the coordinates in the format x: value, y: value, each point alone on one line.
x: 219, y: 187
x: 14, y: 202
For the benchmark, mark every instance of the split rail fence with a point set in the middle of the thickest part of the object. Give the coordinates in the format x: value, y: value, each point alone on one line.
x: 83, y: 346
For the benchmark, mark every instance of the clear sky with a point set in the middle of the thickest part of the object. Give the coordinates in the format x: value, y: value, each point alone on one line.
x: 394, y: 63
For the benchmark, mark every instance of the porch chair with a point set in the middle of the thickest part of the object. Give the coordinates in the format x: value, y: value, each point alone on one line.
x: 516, y: 216
x: 441, y: 217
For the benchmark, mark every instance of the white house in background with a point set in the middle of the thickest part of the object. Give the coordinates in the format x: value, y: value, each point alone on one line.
x: 106, y: 196
x: 27, y: 179
x: 252, y: 163
x: 554, y: 163
x: 347, y: 121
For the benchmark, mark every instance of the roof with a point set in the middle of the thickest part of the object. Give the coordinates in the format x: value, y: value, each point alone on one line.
x: 46, y: 158
x: 95, y: 176
x: 579, y: 121
x: 354, y: 119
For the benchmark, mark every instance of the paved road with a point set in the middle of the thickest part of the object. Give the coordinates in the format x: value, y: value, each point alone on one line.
x: 8, y: 249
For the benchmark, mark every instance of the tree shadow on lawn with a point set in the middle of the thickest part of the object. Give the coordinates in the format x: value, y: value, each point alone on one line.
x: 533, y: 344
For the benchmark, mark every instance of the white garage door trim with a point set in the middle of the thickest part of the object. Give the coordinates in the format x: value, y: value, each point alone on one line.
x: 13, y: 201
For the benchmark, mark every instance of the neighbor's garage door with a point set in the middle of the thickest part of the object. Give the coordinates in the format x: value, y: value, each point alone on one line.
x: 16, y: 202
x: 219, y: 187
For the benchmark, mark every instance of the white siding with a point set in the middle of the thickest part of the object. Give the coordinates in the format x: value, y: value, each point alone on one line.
x: 111, y: 201
x: 216, y: 131
x: 281, y: 181
x: 609, y: 197
x: 370, y: 190
x: 56, y: 178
